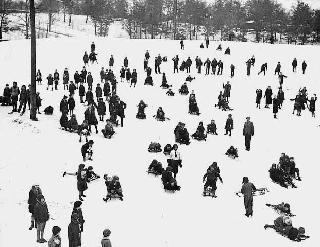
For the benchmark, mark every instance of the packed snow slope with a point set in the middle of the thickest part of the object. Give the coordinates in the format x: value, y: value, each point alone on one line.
x: 39, y: 152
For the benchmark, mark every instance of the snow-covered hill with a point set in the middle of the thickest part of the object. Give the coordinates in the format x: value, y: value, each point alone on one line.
x: 38, y: 152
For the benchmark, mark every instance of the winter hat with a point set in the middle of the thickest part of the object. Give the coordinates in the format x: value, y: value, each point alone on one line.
x: 91, y: 142
x: 77, y: 204
x: 90, y: 168
x: 56, y: 230
x: 81, y: 166
x: 106, y: 233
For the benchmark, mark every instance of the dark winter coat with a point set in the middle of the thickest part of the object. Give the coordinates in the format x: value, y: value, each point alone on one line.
x: 275, y: 106
x: 105, y: 242
x: 74, y: 235
x: 248, y: 128
x: 83, y: 74
x: 134, y: 77
x: 122, y: 73
x: 89, y: 80
x: 229, y: 124
x: 120, y: 108
x: 6, y: 92
x: 76, y: 78
x: 89, y: 96
x: 32, y: 200
x: 38, y: 101
x: 56, y: 76
x: 64, y: 106
x: 90, y: 116
x: 23, y: 96
x: 259, y: 96
x: 106, y: 89
x: 128, y: 75
x: 65, y: 77
x: 72, y: 88
x: 125, y: 62
x: 111, y: 61
x: 82, y: 90
x: 101, y: 108
x: 227, y: 89
x: 268, y: 95
x: 71, y: 103
x: 98, y: 92
x: 41, y: 213
x: 50, y: 80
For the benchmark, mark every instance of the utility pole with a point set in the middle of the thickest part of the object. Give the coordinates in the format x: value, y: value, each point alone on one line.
x: 33, y: 110
x: 175, y: 5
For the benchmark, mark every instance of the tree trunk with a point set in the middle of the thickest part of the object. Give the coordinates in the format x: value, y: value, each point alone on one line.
x: 70, y: 19
x: 1, y: 31
x: 64, y: 16
x: 50, y: 20
x: 33, y: 110
x: 140, y: 31
x: 87, y: 19
x: 27, y: 26
x: 95, y: 28
x: 152, y: 34
x: 190, y: 30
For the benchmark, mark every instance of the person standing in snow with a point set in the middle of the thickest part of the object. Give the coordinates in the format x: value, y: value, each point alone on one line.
x: 268, y: 95
x: 74, y: 233
x: 77, y: 210
x: 175, y: 160
x: 304, y: 67
x: 181, y: 45
x: 175, y: 64
x: 258, y: 97
x: 56, y: 78
x: 81, y: 179
x: 232, y: 67
x: 248, y: 132
x: 41, y: 216
x: 277, y: 69
x: 32, y: 200
x: 55, y: 240
x: 294, y: 65
x: 247, y: 190
x: 105, y: 242
x: 229, y: 125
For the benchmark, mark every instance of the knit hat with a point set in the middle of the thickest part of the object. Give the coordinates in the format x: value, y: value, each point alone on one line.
x: 91, y: 142
x: 77, y: 204
x: 301, y: 230
x: 56, y: 230
x: 106, y: 233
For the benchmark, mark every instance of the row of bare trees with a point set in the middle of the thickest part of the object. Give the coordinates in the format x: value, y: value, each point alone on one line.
x: 181, y: 18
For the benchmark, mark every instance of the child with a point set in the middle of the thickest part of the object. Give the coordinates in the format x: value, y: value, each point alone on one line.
x: 91, y: 175
x: 108, y: 130
x: 212, y: 128
x: 101, y: 109
x: 105, y: 242
x: 232, y: 152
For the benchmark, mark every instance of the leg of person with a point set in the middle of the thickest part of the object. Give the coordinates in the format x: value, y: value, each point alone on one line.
x: 42, y: 232
x: 38, y: 232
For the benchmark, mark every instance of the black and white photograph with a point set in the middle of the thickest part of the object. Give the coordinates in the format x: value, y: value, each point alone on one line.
x: 162, y: 123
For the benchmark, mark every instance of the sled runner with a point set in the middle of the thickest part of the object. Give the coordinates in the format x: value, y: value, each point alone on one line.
x: 208, y: 192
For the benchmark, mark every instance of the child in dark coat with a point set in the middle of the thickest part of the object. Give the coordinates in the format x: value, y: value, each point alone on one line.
x: 101, y: 109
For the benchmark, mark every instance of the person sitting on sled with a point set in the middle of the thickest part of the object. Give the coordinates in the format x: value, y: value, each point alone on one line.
x: 233, y: 152
x: 212, y: 128
x: 160, y: 115
x: 113, y: 187
x: 181, y: 134
x: 108, y: 130
x: 141, y: 107
x: 184, y: 89
x: 155, y: 167
x: 169, y: 182
x: 283, y: 225
x: 283, y: 208
x: 200, y: 132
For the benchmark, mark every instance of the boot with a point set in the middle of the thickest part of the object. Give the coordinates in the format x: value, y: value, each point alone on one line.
x: 32, y: 225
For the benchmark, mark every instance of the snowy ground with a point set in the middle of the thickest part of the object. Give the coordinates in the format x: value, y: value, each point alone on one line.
x: 38, y: 152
